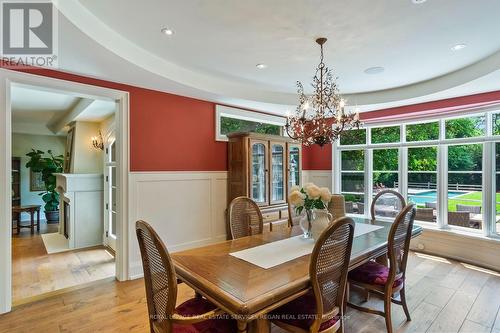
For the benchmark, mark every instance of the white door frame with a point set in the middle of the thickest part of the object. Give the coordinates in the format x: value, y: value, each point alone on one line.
x: 9, y: 78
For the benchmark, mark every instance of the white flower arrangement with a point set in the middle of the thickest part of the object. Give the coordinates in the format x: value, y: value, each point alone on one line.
x: 308, y: 197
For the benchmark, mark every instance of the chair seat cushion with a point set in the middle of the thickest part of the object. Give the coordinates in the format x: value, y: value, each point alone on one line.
x: 300, y: 313
x: 198, y: 306
x: 373, y: 273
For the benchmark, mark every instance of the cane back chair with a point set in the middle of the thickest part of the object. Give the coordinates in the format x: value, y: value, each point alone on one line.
x: 387, y: 281
x: 321, y: 309
x: 194, y: 315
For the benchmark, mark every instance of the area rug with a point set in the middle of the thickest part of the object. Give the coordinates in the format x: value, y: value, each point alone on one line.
x: 55, y: 243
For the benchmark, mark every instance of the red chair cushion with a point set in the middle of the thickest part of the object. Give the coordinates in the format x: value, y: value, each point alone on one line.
x: 373, y: 273
x: 198, y: 306
x: 300, y: 313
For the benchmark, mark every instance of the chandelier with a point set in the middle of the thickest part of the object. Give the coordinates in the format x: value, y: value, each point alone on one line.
x: 321, y: 117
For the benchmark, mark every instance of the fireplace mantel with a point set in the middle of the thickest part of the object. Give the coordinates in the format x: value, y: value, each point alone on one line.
x: 81, y: 208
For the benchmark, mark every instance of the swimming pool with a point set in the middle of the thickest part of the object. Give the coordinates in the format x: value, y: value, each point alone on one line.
x: 430, y: 196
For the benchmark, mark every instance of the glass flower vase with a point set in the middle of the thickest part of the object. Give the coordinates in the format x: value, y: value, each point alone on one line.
x: 306, y: 223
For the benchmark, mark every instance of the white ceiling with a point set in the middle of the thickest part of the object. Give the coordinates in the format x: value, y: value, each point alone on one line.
x: 217, y: 44
x: 97, y: 111
x: 34, y: 108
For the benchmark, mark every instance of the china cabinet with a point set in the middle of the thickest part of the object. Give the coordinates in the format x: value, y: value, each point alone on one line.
x: 264, y: 167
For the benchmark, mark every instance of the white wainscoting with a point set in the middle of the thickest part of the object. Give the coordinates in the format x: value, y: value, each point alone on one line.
x: 322, y: 178
x: 185, y: 208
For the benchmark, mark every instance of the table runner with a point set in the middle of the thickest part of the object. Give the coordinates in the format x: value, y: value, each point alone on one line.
x: 276, y: 253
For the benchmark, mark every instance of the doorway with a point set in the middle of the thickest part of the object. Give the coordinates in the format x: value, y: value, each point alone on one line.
x: 117, y: 223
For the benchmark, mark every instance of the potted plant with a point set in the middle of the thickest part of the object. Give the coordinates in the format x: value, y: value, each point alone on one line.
x: 48, y: 166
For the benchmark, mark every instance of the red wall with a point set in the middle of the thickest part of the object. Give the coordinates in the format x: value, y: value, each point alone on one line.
x: 317, y: 158
x: 167, y: 132
x: 175, y: 133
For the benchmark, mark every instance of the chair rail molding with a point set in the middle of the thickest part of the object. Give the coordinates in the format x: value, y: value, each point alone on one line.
x: 186, y: 208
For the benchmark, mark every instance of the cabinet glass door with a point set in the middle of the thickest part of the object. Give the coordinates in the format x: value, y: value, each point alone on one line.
x: 293, y: 166
x: 259, y: 171
x: 277, y: 173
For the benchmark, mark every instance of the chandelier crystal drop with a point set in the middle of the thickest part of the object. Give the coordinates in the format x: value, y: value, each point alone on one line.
x: 321, y: 117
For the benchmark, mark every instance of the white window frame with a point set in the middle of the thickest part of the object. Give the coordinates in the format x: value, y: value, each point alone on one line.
x: 488, y: 140
x: 235, y: 113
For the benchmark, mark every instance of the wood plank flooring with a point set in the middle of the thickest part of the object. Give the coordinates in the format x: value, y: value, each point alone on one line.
x: 34, y: 272
x: 444, y: 296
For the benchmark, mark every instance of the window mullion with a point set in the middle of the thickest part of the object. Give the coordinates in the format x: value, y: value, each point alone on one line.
x: 489, y: 195
x: 336, y: 166
x: 368, y: 179
x: 442, y: 187
x: 368, y: 172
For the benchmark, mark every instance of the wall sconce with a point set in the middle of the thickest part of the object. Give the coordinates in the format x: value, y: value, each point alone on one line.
x: 97, y: 142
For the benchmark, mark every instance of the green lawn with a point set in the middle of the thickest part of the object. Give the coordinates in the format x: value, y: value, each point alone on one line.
x: 452, y: 203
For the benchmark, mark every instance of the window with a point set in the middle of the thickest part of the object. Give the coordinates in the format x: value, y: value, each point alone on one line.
x: 422, y: 132
x: 353, y: 180
x: 497, y: 189
x: 386, y: 134
x: 354, y: 137
x: 465, y: 127
x: 465, y: 185
x: 385, y: 169
x: 437, y: 165
x: 496, y: 124
x: 422, y: 182
x: 229, y: 120
x: 230, y: 125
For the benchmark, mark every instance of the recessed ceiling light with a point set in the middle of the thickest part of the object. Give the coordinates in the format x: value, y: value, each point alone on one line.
x: 418, y: 2
x: 458, y: 47
x: 374, y: 70
x: 167, y: 31
x: 261, y: 66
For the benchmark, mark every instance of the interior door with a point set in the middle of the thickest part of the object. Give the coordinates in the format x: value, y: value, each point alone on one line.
x: 259, y: 172
x: 110, y: 193
x: 278, y: 173
x: 294, y: 173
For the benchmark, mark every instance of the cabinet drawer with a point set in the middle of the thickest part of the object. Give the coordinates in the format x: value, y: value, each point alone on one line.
x: 271, y: 216
x: 284, y: 213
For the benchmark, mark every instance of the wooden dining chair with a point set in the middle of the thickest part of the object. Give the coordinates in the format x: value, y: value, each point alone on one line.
x: 244, y: 218
x: 336, y: 206
x: 387, y: 281
x: 321, y: 309
x: 194, y: 315
x: 387, y: 203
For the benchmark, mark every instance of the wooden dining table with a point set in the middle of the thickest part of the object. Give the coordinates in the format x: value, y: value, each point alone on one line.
x: 248, y: 292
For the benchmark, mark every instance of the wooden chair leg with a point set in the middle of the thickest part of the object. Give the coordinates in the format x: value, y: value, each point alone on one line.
x: 402, y: 295
x: 387, y: 313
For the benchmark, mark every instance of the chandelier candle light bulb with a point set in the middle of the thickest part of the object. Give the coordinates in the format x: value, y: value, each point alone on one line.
x: 321, y: 117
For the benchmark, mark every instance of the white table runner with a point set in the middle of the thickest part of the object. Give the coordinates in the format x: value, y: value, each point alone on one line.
x: 276, y: 253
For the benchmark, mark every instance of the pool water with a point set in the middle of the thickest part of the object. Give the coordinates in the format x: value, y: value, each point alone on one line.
x: 430, y: 196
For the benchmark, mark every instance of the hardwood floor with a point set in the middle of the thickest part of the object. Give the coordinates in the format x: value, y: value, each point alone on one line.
x: 443, y: 295
x: 34, y: 272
